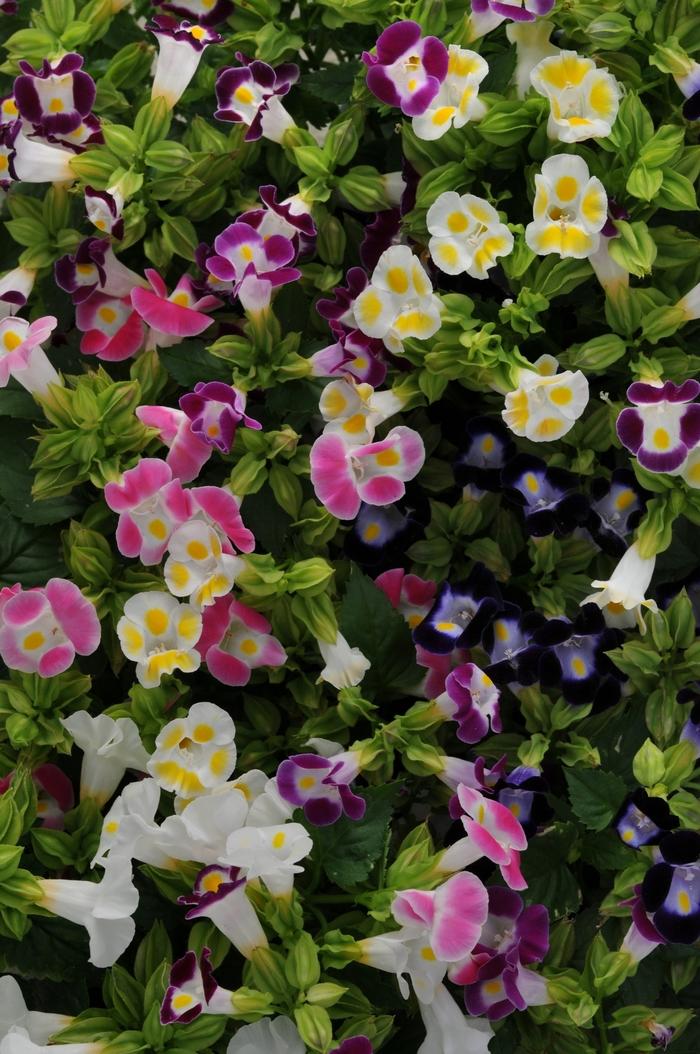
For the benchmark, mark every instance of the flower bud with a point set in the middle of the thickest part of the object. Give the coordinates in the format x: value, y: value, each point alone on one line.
x: 325, y: 994
x: 364, y: 189
x: 314, y: 1026
x: 247, y: 1002
x: 302, y: 968
x: 267, y: 969
x: 610, y: 31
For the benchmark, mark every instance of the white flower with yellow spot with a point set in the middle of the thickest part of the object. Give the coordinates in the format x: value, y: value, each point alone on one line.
x: 583, y: 99
x: 399, y: 301
x: 621, y: 598
x: 354, y: 410
x: 345, y: 666
x: 546, y: 404
x: 691, y: 469
x: 270, y: 853
x: 195, y: 753
x: 129, y: 829
x: 457, y: 102
x: 570, y: 209
x: 467, y: 234
x: 159, y: 635
x: 197, y: 566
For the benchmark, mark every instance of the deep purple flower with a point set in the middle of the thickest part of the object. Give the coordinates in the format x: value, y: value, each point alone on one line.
x: 508, y: 642
x: 180, y: 49
x: 573, y: 657
x: 502, y: 985
x: 671, y: 888
x: 644, y: 820
x: 353, y: 353
x: 489, y: 446
x: 8, y: 7
x: 192, y: 990
x: 354, y: 1045
x: 472, y: 700
x: 56, y: 98
x: 340, y: 308
x: 215, y: 410
x: 383, y: 231
x: 104, y: 210
x: 94, y: 266
x: 407, y: 69
x: 546, y: 495
x: 291, y: 218
x: 664, y: 424
x: 88, y: 133
x: 616, y: 509
x: 691, y: 729
x: 615, y: 212
x: 321, y: 786
x: 460, y: 613
x: 250, y: 94
x: 517, y: 10
x: 206, y: 12
x: 254, y: 264
x: 512, y: 925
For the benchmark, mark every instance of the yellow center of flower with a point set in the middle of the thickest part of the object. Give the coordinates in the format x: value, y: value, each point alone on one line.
x: 198, y: 32
x: 11, y: 340
x: 388, y: 458
x: 278, y: 840
x: 107, y: 314
x: 197, y: 550
x: 156, y: 621
x: 33, y: 640
x: 56, y: 105
x: 307, y: 782
x: 662, y: 439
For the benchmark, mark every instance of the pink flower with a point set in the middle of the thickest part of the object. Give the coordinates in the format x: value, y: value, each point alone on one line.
x: 451, y: 917
x: 151, y: 504
x: 409, y: 594
x: 343, y: 477
x: 176, y: 316
x: 21, y: 354
x: 219, y: 508
x: 41, y: 629
x: 187, y: 453
x: 236, y: 640
x: 493, y: 832
x: 472, y: 700
x: 111, y: 329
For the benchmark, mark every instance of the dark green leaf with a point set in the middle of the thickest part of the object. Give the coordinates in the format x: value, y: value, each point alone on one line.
x: 595, y: 796
x: 349, y: 849
x: 189, y: 363
x: 16, y: 478
x: 27, y: 555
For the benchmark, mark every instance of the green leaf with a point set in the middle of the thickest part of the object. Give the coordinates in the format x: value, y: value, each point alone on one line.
x: 27, y: 555
x: 549, y: 879
x: 52, y: 949
x: 333, y: 84
x: 595, y: 796
x: 16, y: 478
x: 189, y: 362
x: 349, y: 849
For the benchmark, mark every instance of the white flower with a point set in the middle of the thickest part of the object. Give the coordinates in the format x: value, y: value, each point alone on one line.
x: 276, y: 1036
x: 546, y: 404
x: 467, y: 234
x: 270, y: 853
x: 268, y: 806
x: 201, y: 829
x: 39, y: 162
x: 570, y: 209
x: 129, y: 829
x: 532, y: 44
x: 457, y: 100
x: 195, y: 753
x: 399, y: 301
x: 109, y: 748
x: 159, y: 635
x: 583, y: 99
x: 621, y: 598
x: 345, y: 666
x: 447, y: 1029
x: 354, y: 410
x: 19, y: 282
x: 19, y: 1041
x: 197, y: 566
x: 691, y: 469
x: 14, y: 1014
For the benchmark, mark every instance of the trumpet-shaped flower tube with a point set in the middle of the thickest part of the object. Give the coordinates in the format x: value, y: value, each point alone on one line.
x: 22, y: 356
x: 109, y: 748
x: 180, y: 48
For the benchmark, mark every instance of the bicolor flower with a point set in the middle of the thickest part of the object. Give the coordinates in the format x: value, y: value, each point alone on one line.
x: 250, y: 94
x: 406, y: 69
x: 172, y: 317
x: 532, y: 44
x: 457, y: 101
x: 583, y: 98
x: 187, y: 454
x: 15, y: 288
x: 642, y: 937
x: 206, y: 12
x: 644, y: 820
x: 502, y: 985
x: 30, y: 160
x: 570, y: 209
x: 399, y: 301
x: 690, y: 470
x: 276, y: 1036
x: 664, y: 424
x: 253, y: 263
x: 104, y: 210
x: 341, y: 308
x: 192, y: 990
x: 471, y: 699
x: 111, y: 329
x: 54, y: 795
x: 412, y: 596
x: 42, y: 629
x: 344, y: 477
x: 235, y: 641
x: 215, y: 410
x: 467, y: 234
x: 524, y: 791
x: 345, y: 666
x: 221, y: 510
x: 671, y: 888
x: 354, y: 411
x: 93, y: 266
x: 379, y: 533
x: 383, y: 232
x: 547, y: 496
x: 22, y: 356
x: 488, y: 447
x: 353, y: 354
x: 492, y: 832
x: 615, y: 511
x: 517, y: 10
x: 195, y: 753
x: 56, y: 98
x: 198, y: 565
x: 159, y: 635
x: 460, y: 613
x: 321, y: 786
x: 573, y: 657
x: 109, y: 747
x: 545, y: 405
x: 180, y: 48
x: 508, y: 641
x: 14, y: 1014
x: 88, y: 133
x: 291, y: 218
x: 151, y: 505
x: 621, y: 597
x: 510, y: 926
x: 219, y: 895
x: 270, y: 853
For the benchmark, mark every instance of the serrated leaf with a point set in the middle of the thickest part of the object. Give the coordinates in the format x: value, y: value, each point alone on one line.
x: 595, y: 796
x: 349, y: 849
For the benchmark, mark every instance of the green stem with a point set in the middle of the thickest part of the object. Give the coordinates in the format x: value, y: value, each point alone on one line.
x: 602, y: 1032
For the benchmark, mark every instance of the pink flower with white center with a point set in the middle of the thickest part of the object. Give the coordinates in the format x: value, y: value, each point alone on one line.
x: 663, y: 426
x: 343, y: 477
x: 215, y: 410
x: 42, y: 629
x: 104, y: 210
x: 250, y: 94
x: 180, y: 48
x: 255, y: 264
x: 219, y: 895
x: 220, y: 509
x: 56, y: 98
x: 15, y: 288
x: 198, y: 566
x: 409, y: 594
x: 187, y: 453
x: 235, y: 641
x: 407, y: 69
x: 493, y: 832
x: 21, y: 354
x: 151, y: 505
x: 111, y: 329
x: 471, y: 699
x: 93, y: 267
x: 291, y: 218
x: 172, y: 317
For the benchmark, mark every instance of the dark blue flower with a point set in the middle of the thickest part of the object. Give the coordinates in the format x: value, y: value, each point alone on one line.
x: 616, y: 509
x: 671, y: 888
x: 644, y: 820
x: 573, y: 657
x: 508, y: 642
x: 460, y: 613
x: 489, y: 446
x: 547, y: 496
x: 524, y: 791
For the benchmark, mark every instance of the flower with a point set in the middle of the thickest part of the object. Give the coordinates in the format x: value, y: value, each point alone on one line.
x: 510, y: 928
x: 663, y: 426
x: 291, y: 218
x: 583, y: 98
x: 129, y: 830
x: 109, y: 747
x: 570, y: 209
x: 56, y: 98
x: 412, y: 596
x: 187, y: 454
x: 398, y: 302
x: 353, y: 354
x: 615, y: 510
x: 447, y: 1029
x: 15, y: 1015
x: 493, y: 832
x: 671, y: 888
x: 545, y: 405
x: 15, y: 288
x: 151, y: 505
x: 467, y: 234
x: 354, y: 411
x: 253, y: 262
x: 276, y: 1036
x: 407, y: 69
x: 206, y: 12
x: 532, y: 44
x: 192, y: 990
x: 159, y: 635
x: 214, y: 410
x: 31, y: 160
x: 547, y: 496
x: 379, y: 533
x: 690, y: 471
x: 250, y: 94
x: 104, y: 210
x: 111, y: 329
x: 180, y: 48
x: 344, y: 477
x: 345, y: 666
x: 173, y: 317
x: 42, y: 629
x: 321, y: 786
x: 219, y: 508
x: 198, y: 566
x: 459, y: 614
x: 502, y: 985
x: 573, y: 657
x: 456, y: 102
x: 621, y: 597
x: 270, y: 853
x: 643, y: 819
x: 488, y: 448
x: 93, y: 266
x: 235, y: 641
x: 22, y: 356
x: 471, y: 699
x: 195, y: 753
x: 219, y: 894
x: 508, y: 641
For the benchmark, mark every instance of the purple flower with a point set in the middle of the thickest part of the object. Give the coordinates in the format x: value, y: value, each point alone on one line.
x: 180, y: 48
x: 524, y: 791
x: 354, y: 1045
x: 250, y: 94
x: 8, y: 7
x: 340, y: 308
x: 508, y: 642
x: 471, y: 699
x: 215, y: 409
x: 616, y: 509
x: 643, y: 820
x: 517, y: 10
x: 255, y: 265
x: 671, y: 888
x: 219, y: 895
x: 192, y: 990
x: 88, y: 133
x: 57, y: 98
x: 94, y: 266
x: 546, y: 495
x: 104, y: 210
x: 573, y: 657
x: 383, y: 231
x: 460, y: 613
x: 502, y: 985
x: 691, y: 729
x: 664, y: 424
x: 290, y: 218
x: 489, y: 447
x: 321, y: 786
x: 206, y: 12
x: 407, y: 69
x: 353, y: 353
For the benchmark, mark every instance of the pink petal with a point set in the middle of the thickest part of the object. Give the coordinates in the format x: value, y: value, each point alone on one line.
x: 252, y: 619
x: 157, y: 284
x: 215, y: 622
x: 168, y: 317
x: 188, y: 455
x: 414, y: 906
x: 381, y: 490
x: 332, y: 477
x: 137, y: 484
x: 125, y: 342
x: 128, y: 536
x: 227, y: 668
x: 512, y: 874
x: 224, y: 509
x: 24, y: 607
x: 56, y: 660
x: 390, y: 583
x: 75, y: 615
x: 485, y: 842
x: 164, y: 418
x: 461, y: 909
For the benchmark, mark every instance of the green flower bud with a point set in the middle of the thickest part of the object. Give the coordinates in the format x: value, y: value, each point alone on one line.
x: 316, y: 612
x: 286, y: 488
x: 610, y: 31
x: 597, y: 354
x: 302, y: 967
x: 310, y: 576
x: 267, y: 970
x: 325, y: 994
x: 152, y: 122
x: 95, y: 166
x: 635, y: 249
x: 352, y: 707
x: 331, y: 240
x: 130, y: 1042
x: 167, y: 155
x: 364, y: 189
x: 507, y: 122
x: 312, y: 161
x: 248, y: 1003
x: 314, y: 1026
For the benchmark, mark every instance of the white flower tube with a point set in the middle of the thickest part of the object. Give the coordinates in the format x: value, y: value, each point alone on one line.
x: 345, y: 666
x: 38, y: 162
x: 621, y: 597
x: 109, y: 748
x: 15, y: 1015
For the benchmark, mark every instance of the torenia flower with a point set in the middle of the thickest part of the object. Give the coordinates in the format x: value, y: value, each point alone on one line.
x: 255, y: 264
x: 195, y: 753
x: 447, y: 1029
x: 109, y: 748
x: 459, y: 613
x: 532, y: 44
x: 502, y: 984
x: 219, y: 894
x: 151, y: 505
x: 690, y: 472
x: 344, y: 477
x: 129, y: 830
x: 643, y: 819
x: 192, y: 990
x: 15, y: 288
x: 457, y: 100
x: 321, y: 786
x: 399, y: 301
x: 187, y: 454
x: 15, y: 1015
x: 42, y: 629
x: 92, y: 267
x: 21, y: 354
x: 471, y: 699
x: 621, y: 597
x: 546, y: 404
x: 570, y: 209
x: 671, y: 888
x: 30, y: 160
x: 583, y: 99
x: 56, y: 98
x: 206, y: 12
x: 104, y: 210
x: 198, y: 566
x: 250, y: 94
x: 215, y: 410
x: 180, y: 48
x: 172, y: 317
x: 270, y: 853
x: 353, y: 411
x: 517, y: 10
x: 467, y: 234
x: 235, y: 641
x: 276, y: 1036
x: 407, y: 69
x: 663, y: 426
x: 291, y: 218
x: 547, y: 496
x: 111, y: 329
x: 345, y: 666
x: 353, y: 354
x: 493, y: 832
x: 159, y: 635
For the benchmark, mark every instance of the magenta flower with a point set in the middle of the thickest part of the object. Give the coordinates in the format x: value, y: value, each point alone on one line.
x: 353, y: 354
x: 407, y: 69
x: 180, y: 48
x: 94, y: 267
x: 343, y: 477
x: 250, y: 94
x: 409, y: 594
x: 187, y: 454
x: 472, y: 700
x: 235, y: 641
x: 291, y: 218
x: 173, y: 317
x: 510, y: 925
x: 8, y: 7
x: 663, y: 426
x: 503, y: 985
x: 193, y: 990
x: 218, y: 507
x: 111, y: 329
x: 493, y: 832
x: 54, y: 794
x: 354, y: 1045
x: 321, y: 786
x: 21, y: 354
x: 215, y: 410
x: 104, y: 210
x: 517, y: 10
x: 206, y: 12
x: 57, y: 98
x: 151, y: 504
x: 42, y: 629
x: 254, y: 264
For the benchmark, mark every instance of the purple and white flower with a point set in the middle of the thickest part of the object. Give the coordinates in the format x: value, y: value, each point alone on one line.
x: 253, y: 263
x: 407, y: 68
x: 291, y: 218
x: 22, y: 356
x: 192, y: 990
x: 250, y: 94
x: 56, y: 98
x: 471, y: 699
x: 104, y: 210
x: 664, y: 424
x: 28, y: 159
x: 457, y: 101
x: 321, y: 786
x: 93, y: 267
x: 180, y: 48
x: 15, y: 288
x: 215, y: 410
x: 206, y: 12
x: 219, y: 895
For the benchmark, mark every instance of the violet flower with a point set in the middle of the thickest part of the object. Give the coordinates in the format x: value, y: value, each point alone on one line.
x: 664, y: 424
x: 219, y: 895
x: 206, y: 12
x: 354, y: 354
x: 92, y: 267
x: 407, y: 69
x: 671, y: 888
x: 56, y: 98
x: 321, y: 786
x: 15, y: 288
x: 508, y: 642
x: 460, y: 613
x: 256, y: 265
x: 615, y: 511
x: 250, y: 94
x: 546, y: 495
x: 488, y: 447
x: 644, y: 820
x: 291, y: 218
x: 215, y: 410
x: 573, y: 657
x: 31, y: 160
x: 180, y: 48
x: 502, y: 985
x: 471, y: 699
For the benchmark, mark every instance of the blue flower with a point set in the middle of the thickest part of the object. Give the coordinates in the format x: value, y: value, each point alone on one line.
x: 460, y: 613
x: 547, y: 496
